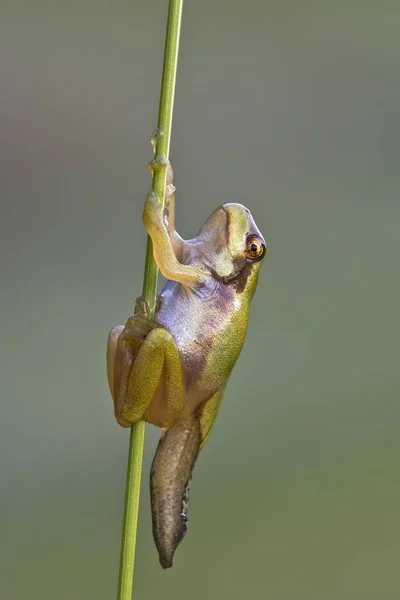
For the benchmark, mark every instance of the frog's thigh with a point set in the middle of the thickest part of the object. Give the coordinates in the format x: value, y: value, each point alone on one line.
x: 158, y: 357
x: 208, y: 413
x: 111, y: 351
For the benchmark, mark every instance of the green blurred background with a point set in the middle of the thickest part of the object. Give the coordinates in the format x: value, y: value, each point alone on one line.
x: 293, y: 109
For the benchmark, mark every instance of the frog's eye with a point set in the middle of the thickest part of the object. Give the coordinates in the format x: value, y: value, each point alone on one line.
x: 255, y: 248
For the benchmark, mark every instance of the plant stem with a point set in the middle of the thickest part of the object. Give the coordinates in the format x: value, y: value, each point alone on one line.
x: 136, y: 442
x: 131, y: 510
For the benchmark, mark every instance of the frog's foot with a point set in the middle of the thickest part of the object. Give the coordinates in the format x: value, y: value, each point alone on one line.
x: 155, y: 137
x: 169, y: 192
x: 159, y: 302
x: 170, y: 177
x: 169, y: 209
x: 137, y: 328
x: 142, y: 307
x: 153, y: 212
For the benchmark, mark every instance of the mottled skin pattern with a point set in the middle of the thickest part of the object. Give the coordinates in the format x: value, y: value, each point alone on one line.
x: 172, y: 371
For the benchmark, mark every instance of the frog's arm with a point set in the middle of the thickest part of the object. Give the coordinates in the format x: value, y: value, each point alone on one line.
x: 163, y: 245
x: 169, y: 214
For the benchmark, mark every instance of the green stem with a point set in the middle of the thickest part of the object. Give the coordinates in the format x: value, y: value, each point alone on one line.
x: 135, y: 456
x: 131, y: 511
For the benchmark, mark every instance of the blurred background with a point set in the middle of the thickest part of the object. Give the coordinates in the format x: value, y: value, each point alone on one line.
x: 293, y: 109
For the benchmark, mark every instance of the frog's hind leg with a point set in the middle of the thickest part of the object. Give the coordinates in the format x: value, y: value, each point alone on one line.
x: 143, y: 361
x: 171, y: 474
x: 111, y: 351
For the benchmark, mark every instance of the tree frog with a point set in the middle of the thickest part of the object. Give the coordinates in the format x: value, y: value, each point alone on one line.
x: 172, y: 370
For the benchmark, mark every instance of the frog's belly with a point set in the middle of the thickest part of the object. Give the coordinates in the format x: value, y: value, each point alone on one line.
x: 198, y: 387
x: 208, y: 354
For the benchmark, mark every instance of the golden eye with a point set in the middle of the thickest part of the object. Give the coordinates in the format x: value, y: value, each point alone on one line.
x: 255, y: 248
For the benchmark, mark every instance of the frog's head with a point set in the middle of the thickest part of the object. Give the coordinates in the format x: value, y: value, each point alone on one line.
x: 232, y: 247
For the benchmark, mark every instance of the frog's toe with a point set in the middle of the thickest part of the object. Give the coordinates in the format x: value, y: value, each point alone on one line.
x: 155, y: 136
x: 169, y: 191
x: 142, y: 306
x: 159, y: 163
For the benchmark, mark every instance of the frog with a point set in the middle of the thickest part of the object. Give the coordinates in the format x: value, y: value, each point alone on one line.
x: 171, y: 369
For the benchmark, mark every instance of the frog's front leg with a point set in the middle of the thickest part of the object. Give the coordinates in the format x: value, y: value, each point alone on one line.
x: 166, y: 242
x: 169, y: 214
x: 143, y: 357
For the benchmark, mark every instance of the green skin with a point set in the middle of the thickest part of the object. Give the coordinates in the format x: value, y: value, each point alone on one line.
x: 172, y: 371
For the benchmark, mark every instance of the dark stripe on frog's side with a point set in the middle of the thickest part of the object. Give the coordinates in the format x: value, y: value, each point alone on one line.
x: 205, y: 347
x: 240, y: 265
x: 169, y: 485
x: 241, y: 273
x: 240, y: 281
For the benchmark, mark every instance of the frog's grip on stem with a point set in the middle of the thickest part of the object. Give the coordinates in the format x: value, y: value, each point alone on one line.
x: 169, y: 482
